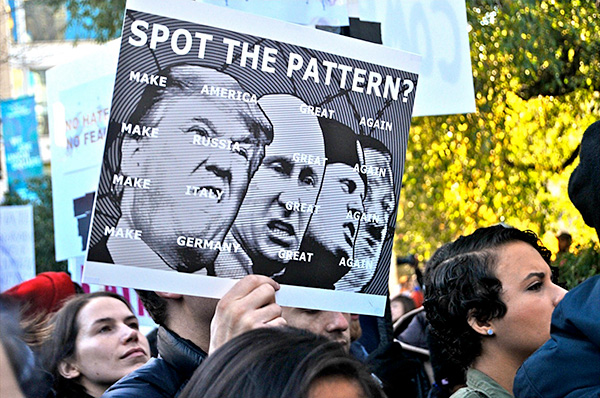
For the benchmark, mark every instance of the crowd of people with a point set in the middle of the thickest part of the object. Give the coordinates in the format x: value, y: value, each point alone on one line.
x: 493, y: 324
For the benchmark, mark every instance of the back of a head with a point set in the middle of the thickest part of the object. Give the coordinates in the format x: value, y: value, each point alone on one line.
x: 276, y: 362
x: 584, y: 183
x: 19, y: 357
x: 342, y: 145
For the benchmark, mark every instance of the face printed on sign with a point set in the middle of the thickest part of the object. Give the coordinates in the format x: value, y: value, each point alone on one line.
x: 199, y: 164
x: 342, y: 192
x: 379, y: 206
x: 283, y: 193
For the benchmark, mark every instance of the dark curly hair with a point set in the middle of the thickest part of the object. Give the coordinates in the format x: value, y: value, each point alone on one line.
x: 461, y: 282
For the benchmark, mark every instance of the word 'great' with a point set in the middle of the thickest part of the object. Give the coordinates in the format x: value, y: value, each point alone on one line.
x: 309, y: 159
x: 317, y: 111
x: 295, y: 255
x: 302, y: 207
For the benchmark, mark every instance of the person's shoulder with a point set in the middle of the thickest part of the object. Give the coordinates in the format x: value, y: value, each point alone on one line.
x: 156, y: 379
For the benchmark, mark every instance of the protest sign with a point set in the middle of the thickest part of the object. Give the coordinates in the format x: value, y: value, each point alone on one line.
x: 239, y: 144
x: 79, y: 94
x: 19, y: 128
x: 435, y: 29
x: 308, y: 12
x: 438, y: 31
x: 17, y: 251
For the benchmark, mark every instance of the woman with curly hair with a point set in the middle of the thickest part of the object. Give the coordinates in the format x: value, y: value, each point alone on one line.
x: 489, y: 300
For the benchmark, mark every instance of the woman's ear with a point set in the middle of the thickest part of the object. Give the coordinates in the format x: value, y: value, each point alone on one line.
x: 484, y: 328
x: 68, y: 370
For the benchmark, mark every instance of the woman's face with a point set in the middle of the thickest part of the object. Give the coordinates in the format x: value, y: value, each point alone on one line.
x: 530, y: 297
x: 109, y: 344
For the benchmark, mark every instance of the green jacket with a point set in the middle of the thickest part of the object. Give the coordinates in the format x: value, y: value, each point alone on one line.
x: 480, y: 385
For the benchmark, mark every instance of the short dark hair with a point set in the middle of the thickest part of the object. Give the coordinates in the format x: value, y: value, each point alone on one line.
x: 461, y: 282
x: 488, y: 238
x: 155, y: 305
x: 408, y: 303
x: 342, y: 146
x: 276, y: 362
x: 61, y: 344
x: 372, y: 143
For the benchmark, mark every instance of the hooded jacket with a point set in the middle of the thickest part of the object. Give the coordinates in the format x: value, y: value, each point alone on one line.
x: 164, y: 376
x: 568, y: 365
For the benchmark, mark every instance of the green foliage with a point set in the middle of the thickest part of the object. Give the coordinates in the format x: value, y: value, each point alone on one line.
x: 575, y: 268
x: 43, y: 223
x: 536, y: 68
x: 102, y: 17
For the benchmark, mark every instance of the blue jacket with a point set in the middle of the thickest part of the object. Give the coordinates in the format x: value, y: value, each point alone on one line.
x: 164, y: 376
x: 568, y: 365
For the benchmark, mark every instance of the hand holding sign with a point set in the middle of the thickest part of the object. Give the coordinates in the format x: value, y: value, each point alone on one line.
x: 250, y: 304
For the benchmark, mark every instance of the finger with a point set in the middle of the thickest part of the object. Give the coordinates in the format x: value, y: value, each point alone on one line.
x: 261, y: 296
x: 277, y: 322
x: 260, y: 317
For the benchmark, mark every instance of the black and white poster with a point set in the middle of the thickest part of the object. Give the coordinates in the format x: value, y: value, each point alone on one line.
x: 243, y: 145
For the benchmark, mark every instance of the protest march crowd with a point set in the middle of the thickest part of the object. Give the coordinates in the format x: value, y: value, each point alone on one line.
x: 493, y: 324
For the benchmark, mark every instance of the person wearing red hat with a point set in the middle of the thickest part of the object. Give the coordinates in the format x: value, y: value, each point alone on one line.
x: 43, y: 294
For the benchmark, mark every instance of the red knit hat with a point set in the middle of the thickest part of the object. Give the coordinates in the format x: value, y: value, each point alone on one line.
x: 44, y: 293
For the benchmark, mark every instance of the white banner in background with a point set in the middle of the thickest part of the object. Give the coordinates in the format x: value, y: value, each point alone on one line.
x: 79, y: 94
x: 436, y: 30
x: 17, y: 249
x: 304, y: 12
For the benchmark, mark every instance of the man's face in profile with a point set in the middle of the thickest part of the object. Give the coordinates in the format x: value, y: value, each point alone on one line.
x: 196, y: 188
x: 270, y: 218
x: 333, y: 325
x: 379, y: 202
x: 342, y: 192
